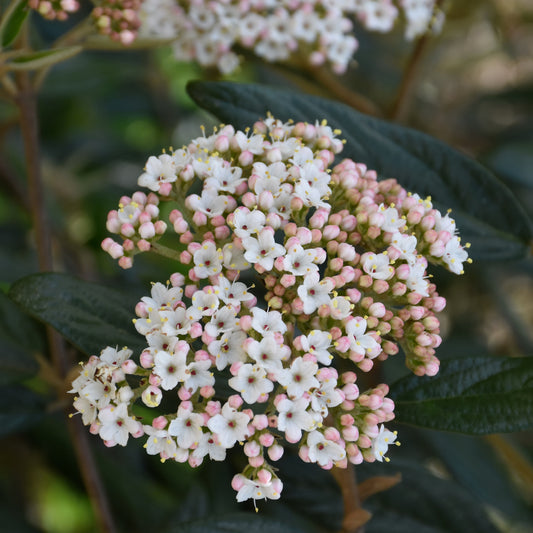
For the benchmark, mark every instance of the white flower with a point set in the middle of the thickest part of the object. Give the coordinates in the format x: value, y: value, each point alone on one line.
x: 233, y: 257
x: 406, y: 245
x: 170, y: 368
x: 299, y: 378
x: 162, y: 296
x: 231, y: 292
x: 323, y: 451
x: 415, y: 281
x: 361, y: 342
x: 210, y: 203
x: 314, y: 293
x: 252, y: 383
x: 317, y: 344
x: 159, y: 170
x: 268, y: 353
x: 377, y: 265
x: 187, y: 428
x: 209, y: 445
x: 114, y: 357
x: 293, y: 418
x: 392, y: 221
x: 267, y: 321
x: 198, y: 375
x: 223, y: 177
x: 263, y: 250
x: 444, y: 223
x: 229, y: 426
x: 159, y: 443
x: 247, y: 223
x: 455, y: 255
x: 299, y: 261
x: 253, y: 144
x: 223, y: 321
x: 255, y: 490
x: 117, y: 425
x: 203, y: 304
x: 229, y: 349
x: 207, y: 260
x: 382, y: 442
x: 175, y: 322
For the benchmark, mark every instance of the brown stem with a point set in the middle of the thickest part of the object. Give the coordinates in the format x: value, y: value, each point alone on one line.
x: 400, y: 107
x: 26, y: 101
x: 354, y: 515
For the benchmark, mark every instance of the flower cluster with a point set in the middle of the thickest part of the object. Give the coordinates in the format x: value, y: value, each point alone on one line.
x: 275, y: 30
x: 340, y: 262
x: 118, y: 19
x: 54, y: 9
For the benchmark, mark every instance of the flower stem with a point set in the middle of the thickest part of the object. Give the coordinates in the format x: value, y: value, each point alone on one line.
x: 354, y: 515
x: 165, y: 251
x: 400, y: 107
x: 26, y: 101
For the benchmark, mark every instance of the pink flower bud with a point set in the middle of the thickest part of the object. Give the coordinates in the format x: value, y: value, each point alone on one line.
x: 125, y: 262
x: 264, y: 476
x: 144, y: 246
x: 252, y: 449
x: 235, y: 401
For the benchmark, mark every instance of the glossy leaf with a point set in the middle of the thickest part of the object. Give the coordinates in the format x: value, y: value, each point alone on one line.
x: 245, y: 522
x: 12, y: 21
x: 473, y: 395
x: 20, y: 408
x: 424, y: 503
x: 487, y: 213
x: 20, y: 338
x: 88, y: 315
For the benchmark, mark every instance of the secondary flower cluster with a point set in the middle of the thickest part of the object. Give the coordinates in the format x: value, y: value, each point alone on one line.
x: 275, y: 30
x: 339, y: 261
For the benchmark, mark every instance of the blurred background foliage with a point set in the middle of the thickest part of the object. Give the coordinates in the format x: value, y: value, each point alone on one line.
x: 101, y: 115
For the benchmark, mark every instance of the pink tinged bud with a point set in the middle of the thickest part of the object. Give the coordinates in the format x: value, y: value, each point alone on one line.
x: 127, y: 230
x: 350, y: 391
x: 252, y: 449
x: 342, y: 344
x: 364, y: 442
x: 147, y: 360
x: 388, y: 405
x: 424, y: 339
x: 351, y: 434
x: 235, y: 401
x: 237, y: 483
x: 129, y: 367
x: 144, y: 246
x: 430, y: 236
x: 366, y: 281
x: 414, y: 217
x: 264, y: 476
x: 207, y: 391
x: 260, y: 422
x: 431, y: 323
x: 346, y: 252
x: 332, y: 434
x: 377, y: 309
x: 336, y: 265
x: 303, y: 452
x: 399, y: 289
x: 256, y: 462
x: 177, y: 279
x: 125, y: 262
x: 417, y: 312
x: 222, y: 233
x: 159, y: 422
x: 265, y: 200
x: 185, y: 257
x: 180, y: 226
x: 348, y: 405
x: 141, y: 310
x: 112, y: 248
x: 432, y: 369
x: 199, y: 218
x: 349, y: 377
x: 94, y: 428
x: 160, y: 227
x: 128, y: 245
x: 235, y: 367
x: 196, y: 330
x: 332, y: 247
x: 380, y: 286
x: 249, y: 199
x: 275, y: 452
x: 154, y: 380
x: 365, y: 365
x: 213, y: 408
x: 297, y: 306
x: 324, y: 311
x: 184, y: 395
x: 330, y: 232
x: 304, y: 235
x: 222, y: 143
x: 186, y: 238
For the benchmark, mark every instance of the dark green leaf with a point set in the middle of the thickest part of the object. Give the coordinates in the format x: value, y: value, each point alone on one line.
x: 473, y: 395
x: 423, y: 502
x: 19, y: 338
x: 487, y: 213
x: 236, y: 523
x: 12, y: 21
x: 88, y: 315
x: 20, y: 408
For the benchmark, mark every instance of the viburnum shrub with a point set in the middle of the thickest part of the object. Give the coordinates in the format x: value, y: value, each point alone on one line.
x: 295, y: 273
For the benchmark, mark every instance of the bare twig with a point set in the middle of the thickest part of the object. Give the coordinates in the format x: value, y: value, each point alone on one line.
x: 26, y: 101
x: 354, y: 515
x: 400, y: 107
